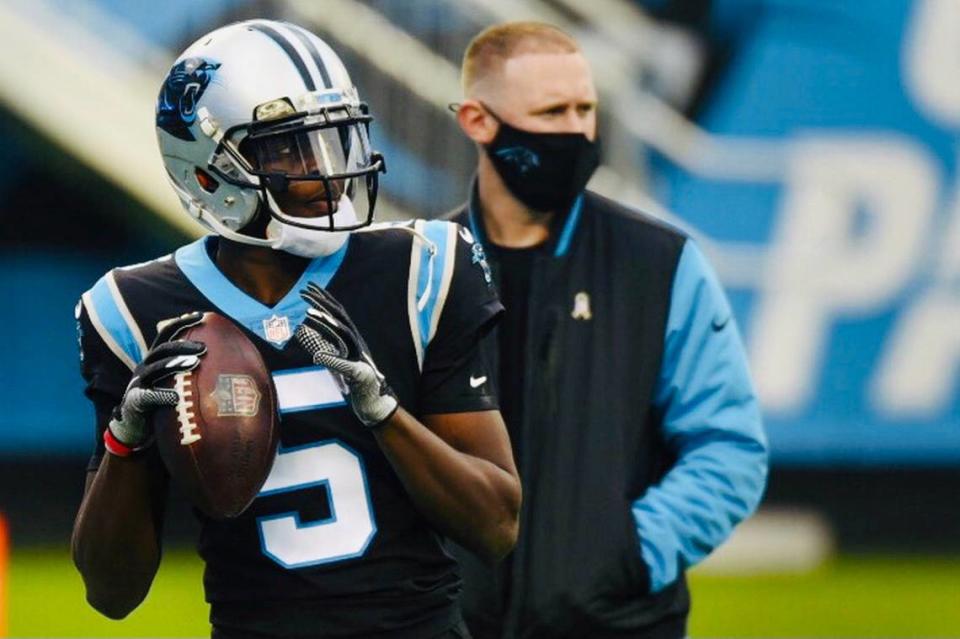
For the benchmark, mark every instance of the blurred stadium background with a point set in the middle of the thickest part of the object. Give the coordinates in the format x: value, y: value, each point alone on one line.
x: 810, y: 146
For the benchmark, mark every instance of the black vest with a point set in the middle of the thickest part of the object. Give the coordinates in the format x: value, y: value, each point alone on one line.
x: 591, y: 438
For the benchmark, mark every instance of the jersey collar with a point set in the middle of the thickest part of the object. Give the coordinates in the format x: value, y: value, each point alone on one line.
x: 274, y: 324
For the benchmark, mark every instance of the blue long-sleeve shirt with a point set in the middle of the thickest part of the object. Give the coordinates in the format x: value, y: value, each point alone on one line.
x: 711, y: 420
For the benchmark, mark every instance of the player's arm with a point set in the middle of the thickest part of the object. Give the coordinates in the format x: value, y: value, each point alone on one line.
x: 457, y: 467
x: 116, y: 535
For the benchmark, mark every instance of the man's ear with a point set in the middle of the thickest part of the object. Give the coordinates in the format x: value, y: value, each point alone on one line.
x: 476, y: 122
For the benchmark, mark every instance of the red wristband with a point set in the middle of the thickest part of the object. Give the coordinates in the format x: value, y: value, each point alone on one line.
x: 115, y: 446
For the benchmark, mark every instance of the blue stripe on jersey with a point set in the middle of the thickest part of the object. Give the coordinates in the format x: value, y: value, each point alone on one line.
x: 437, y: 231
x: 711, y: 419
x: 194, y: 260
x: 112, y: 319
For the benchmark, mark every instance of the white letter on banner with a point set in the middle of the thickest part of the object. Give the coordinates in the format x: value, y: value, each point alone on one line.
x: 948, y: 267
x: 853, y: 223
x: 920, y: 370
x: 931, y: 58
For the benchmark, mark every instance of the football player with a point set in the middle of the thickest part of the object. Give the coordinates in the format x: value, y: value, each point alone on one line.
x: 390, y: 438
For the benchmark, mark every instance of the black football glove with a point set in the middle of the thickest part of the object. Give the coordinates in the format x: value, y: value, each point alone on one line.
x: 129, y: 425
x: 333, y: 341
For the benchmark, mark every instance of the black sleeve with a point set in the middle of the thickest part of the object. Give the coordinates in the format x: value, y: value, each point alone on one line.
x: 454, y: 378
x: 105, y: 375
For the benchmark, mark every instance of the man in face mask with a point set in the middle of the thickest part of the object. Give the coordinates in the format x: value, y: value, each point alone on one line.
x: 540, y: 143
x: 620, y: 372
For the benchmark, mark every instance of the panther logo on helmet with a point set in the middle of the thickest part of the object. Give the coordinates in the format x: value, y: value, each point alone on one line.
x: 177, y: 104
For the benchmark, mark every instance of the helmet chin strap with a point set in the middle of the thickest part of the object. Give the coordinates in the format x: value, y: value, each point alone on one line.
x: 310, y: 242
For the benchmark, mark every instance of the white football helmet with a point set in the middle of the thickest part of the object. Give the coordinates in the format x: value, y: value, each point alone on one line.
x: 249, y: 110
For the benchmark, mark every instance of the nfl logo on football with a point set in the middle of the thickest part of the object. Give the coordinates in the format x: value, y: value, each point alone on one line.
x: 277, y: 329
x: 237, y: 396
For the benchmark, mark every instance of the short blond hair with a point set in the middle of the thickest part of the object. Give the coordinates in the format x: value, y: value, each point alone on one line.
x: 492, y: 47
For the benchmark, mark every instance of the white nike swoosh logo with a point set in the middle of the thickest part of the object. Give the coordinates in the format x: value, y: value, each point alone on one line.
x: 477, y: 381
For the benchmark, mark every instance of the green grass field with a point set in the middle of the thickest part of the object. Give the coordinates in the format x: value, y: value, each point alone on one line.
x: 850, y: 597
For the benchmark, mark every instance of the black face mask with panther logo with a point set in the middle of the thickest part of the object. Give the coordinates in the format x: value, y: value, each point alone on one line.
x: 545, y: 171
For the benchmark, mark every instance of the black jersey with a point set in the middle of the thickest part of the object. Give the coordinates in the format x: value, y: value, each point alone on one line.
x: 333, y: 545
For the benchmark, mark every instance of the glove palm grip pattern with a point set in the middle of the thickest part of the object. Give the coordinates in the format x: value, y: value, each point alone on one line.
x: 333, y: 341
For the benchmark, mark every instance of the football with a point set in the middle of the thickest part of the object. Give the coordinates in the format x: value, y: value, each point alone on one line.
x: 220, y: 440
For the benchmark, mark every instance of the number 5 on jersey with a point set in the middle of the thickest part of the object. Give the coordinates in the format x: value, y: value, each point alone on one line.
x: 351, y: 526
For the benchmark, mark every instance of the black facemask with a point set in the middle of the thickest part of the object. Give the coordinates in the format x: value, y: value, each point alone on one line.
x: 545, y: 171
